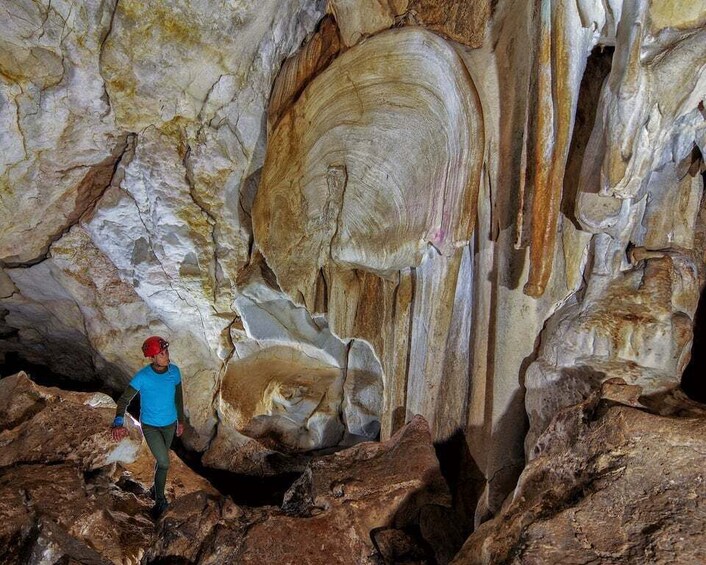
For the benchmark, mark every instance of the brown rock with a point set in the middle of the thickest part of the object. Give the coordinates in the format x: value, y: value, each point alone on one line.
x: 331, y: 514
x: 460, y: 20
x: 50, y: 512
x: 612, y: 484
x: 68, y: 492
x: 48, y: 425
x: 375, y: 477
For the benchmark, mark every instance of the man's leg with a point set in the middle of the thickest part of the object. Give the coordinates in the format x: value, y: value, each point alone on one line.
x: 159, y: 439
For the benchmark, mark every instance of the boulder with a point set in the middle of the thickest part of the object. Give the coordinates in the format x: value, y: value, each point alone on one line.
x: 611, y: 484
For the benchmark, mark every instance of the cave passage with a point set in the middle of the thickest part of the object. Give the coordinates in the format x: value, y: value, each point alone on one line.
x: 42, y: 375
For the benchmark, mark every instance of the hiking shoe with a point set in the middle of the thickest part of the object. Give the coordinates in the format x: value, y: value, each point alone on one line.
x: 158, y: 509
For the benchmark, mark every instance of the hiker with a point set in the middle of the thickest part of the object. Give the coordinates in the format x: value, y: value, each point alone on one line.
x: 161, y: 411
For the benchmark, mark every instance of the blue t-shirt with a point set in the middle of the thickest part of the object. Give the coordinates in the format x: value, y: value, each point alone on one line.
x: 157, y: 394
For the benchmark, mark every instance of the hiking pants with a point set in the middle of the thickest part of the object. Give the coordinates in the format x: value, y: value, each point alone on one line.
x: 159, y: 439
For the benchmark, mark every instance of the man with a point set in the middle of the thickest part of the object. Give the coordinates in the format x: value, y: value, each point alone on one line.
x: 161, y: 411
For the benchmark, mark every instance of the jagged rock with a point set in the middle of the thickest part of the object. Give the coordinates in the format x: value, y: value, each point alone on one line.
x: 67, y: 490
x: 328, y: 515
x: 48, y: 425
x: 72, y: 306
x: 52, y: 512
x: 610, y: 484
x: 635, y: 327
x: 45, y: 425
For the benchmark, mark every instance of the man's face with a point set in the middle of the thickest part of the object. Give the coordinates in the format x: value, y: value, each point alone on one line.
x: 162, y: 358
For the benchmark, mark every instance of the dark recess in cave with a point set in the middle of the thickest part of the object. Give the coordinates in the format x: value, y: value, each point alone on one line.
x: 598, y: 67
x: 693, y: 380
x: 44, y: 376
x: 466, y: 483
x: 245, y: 490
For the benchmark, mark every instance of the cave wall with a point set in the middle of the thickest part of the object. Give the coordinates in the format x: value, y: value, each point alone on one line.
x: 343, y: 214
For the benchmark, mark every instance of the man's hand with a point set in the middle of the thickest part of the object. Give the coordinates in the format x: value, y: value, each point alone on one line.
x: 119, y: 433
x: 180, y: 429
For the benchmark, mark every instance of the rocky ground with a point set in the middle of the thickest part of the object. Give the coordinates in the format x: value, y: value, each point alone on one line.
x: 69, y: 494
x: 610, y: 483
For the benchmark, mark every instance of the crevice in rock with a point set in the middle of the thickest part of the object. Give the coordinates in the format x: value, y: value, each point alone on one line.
x: 101, y: 51
x: 212, y: 221
x: 465, y: 479
x: 692, y: 380
x: 598, y: 67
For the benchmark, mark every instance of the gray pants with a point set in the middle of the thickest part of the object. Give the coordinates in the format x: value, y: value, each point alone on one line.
x: 159, y: 439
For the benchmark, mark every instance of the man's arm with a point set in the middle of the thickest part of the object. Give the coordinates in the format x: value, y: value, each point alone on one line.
x: 118, y: 432
x: 123, y: 403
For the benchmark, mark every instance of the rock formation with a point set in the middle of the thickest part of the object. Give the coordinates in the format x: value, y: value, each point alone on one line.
x: 341, y: 510
x: 67, y: 490
x: 344, y: 213
x: 610, y: 483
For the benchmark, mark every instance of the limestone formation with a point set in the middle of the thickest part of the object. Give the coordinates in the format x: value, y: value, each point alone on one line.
x: 360, y: 165
x: 59, y: 137
x: 375, y: 201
